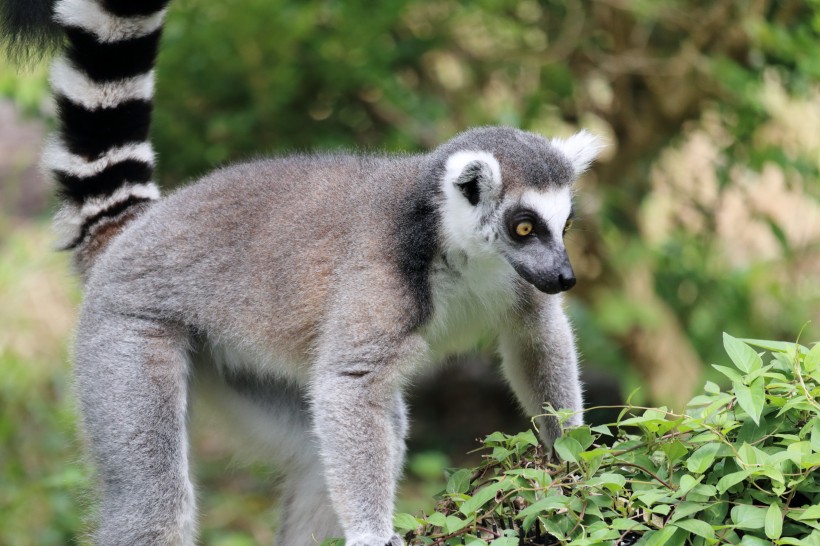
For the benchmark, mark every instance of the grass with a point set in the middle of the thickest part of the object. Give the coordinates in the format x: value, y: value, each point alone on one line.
x: 43, y: 486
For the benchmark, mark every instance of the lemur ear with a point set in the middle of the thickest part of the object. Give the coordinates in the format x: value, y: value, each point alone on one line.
x: 477, y: 175
x: 468, y: 183
x: 581, y: 149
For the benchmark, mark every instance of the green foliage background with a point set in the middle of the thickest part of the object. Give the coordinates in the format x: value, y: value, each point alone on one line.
x: 703, y: 215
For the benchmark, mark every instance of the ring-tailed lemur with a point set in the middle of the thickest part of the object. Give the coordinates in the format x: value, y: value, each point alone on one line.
x: 298, y: 293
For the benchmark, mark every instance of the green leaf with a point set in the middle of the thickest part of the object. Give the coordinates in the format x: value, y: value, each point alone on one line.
x: 546, y: 505
x: 751, y: 398
x: 729, y: 372
x: 809, y: 461
x: 527, y: 438
x: 815, y: 430
x: 656, y: 413
x: 501, y: 453
x: 711, y: 388
x: 483, y: 496
x: 479, y: 499
x: 774, y: 522
x: 751, y: 431
x: 705, y: 490
x: 697, y: 527
x: 734, y: 478
x: 613, y: 482
x: 593, y: 459
x: 568, y: 448
x: 459, y: 482
x: 702, y: 458
x: 674, y: 450
x: 812, y: 360
x: 743, y: 356
x: 405, y: 522
x: 749, y: 517
x: 811, y: 513
x: 601, y: 429
x: 686, y: 509
x: 751, y: 455
x: 541, y: 477
x: 773, y: 346
x: 662, y: 509
x: 583, y: 435
x: 662, y: 537
x: 751, y: 540
x: 496, y: 437
x: 623, y: 524
x: 687, y: 482
x: 437, y: 518
x: 455, y: 523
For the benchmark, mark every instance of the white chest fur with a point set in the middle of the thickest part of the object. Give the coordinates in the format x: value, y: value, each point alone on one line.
x: 470, y: 298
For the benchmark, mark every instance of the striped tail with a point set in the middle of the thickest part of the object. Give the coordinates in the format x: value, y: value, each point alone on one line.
x: 103, y: 83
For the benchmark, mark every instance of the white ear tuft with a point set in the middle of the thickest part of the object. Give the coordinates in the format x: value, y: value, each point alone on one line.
x: 581, y: 149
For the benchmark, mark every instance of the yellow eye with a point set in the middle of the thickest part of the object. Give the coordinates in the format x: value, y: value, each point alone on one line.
x: 568, y: 226
x: 523, y: 228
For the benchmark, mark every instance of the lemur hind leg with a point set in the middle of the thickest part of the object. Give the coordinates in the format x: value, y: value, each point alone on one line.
x: 270, y: 420
x: 307, y: 516
x: 131, y: 377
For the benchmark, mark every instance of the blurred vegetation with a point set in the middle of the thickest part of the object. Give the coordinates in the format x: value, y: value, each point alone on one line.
x: 703, y: 216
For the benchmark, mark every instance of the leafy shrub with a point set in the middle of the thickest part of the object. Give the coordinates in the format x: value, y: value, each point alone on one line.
x: 738, y: 467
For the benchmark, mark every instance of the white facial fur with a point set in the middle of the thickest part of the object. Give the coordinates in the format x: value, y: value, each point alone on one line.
x: 552, y: 206
x: 462, y: 224
x: 461, y: 219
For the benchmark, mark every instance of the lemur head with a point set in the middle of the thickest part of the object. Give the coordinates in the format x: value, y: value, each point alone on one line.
x: 508, y: 193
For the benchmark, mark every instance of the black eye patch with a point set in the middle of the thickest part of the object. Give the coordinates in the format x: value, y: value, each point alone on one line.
x: 524, y: 225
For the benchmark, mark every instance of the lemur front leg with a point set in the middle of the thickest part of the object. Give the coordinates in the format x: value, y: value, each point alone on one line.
x: 359, y: 416
x: 540, y: 362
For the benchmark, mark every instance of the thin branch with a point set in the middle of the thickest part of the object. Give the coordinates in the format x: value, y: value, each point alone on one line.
x: 644, y: 470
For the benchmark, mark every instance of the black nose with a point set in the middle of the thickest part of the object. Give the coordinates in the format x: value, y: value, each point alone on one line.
x: 566, y: 281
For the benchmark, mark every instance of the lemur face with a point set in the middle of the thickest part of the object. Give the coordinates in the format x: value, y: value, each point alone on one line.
x: 512, y: 197
x: 531, y: 237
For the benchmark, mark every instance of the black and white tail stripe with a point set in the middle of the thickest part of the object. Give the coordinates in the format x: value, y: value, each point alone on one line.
x: 104, y: 83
